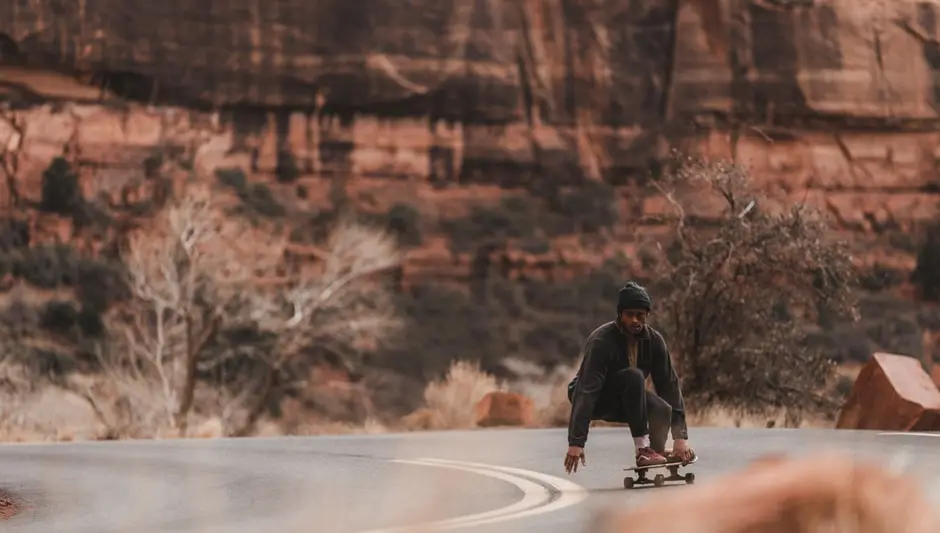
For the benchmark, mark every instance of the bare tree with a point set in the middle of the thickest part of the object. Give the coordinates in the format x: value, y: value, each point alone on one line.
x: 11, y: 142
x: 338, y: 303
x: 15, y: 382
x: 740, y: 287
x: 194, y: 271
x: 22, y: 375
x: 176, y: 267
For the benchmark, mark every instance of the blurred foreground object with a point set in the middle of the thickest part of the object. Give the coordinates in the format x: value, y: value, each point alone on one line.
x: 9, y: 506
x: 892, y: 393
x: 780, y: 495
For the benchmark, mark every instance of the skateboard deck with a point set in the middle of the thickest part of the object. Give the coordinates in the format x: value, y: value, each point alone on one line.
x: 659, y: 480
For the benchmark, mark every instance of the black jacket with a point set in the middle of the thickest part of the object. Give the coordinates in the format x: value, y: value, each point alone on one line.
x: 605, y: 352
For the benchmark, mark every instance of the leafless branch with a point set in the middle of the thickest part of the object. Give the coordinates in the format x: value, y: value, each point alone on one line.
x: 739, y: 291
x: 11, y: 140
x: 195, y: 271
x: 336, y: 302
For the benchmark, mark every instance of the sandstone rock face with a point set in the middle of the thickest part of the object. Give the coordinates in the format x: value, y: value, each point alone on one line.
x: 504, y: 409
x: 892, y: 393
x: 787, y: 62
x: 826, y: 101
x: 107, y: 146
x: 773, y: 496
x: 769, y: 61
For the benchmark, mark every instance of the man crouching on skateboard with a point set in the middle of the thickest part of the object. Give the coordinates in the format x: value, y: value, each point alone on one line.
x: 611, y: 385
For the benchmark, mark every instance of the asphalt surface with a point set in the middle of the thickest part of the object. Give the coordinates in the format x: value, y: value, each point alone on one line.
x: 359, y: 484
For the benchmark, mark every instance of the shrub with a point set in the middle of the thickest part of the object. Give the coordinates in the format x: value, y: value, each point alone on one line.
x: 257, y: 197
x: 513, y: 218
x: 452, y: 400
x: 287, y: 170
x: 531, y: 221
x: 590, y: 207
x: 404, y: 220
x: 927, y: 273
x: 60, y: 191
x: 738, y: 293
x: 14, y: 234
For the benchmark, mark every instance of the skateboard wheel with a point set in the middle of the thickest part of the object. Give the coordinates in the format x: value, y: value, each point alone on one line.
x: 659, y: 480
x: 628, y: 482
x: 690, y: 478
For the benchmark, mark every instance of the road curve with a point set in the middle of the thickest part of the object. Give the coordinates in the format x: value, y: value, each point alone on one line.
x: 494, y: 480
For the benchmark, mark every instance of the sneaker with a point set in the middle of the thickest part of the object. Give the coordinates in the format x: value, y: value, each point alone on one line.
x: 648, y: 457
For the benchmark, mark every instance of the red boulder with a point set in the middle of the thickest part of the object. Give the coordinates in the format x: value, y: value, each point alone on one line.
x: 504, y: 409
x: 892, y: 393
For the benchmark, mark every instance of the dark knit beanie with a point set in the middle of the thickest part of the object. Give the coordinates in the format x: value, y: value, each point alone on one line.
x: 633, y: 296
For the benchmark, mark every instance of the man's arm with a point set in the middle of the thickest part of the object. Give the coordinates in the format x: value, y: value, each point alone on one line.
x: 593, y: 373
x: 666, y: 381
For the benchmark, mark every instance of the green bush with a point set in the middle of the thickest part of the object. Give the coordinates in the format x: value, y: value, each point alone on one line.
x: 287, y: 170
x: 404, y: 220
x: 589, y: 207
x: 47, y: 266
x: 256, y: 197
x: 232, y: 177
x: 14, y: 234
x: 531, y: 221
x: 514, y: 218
x: 927, y: 272
x: 61, y: 193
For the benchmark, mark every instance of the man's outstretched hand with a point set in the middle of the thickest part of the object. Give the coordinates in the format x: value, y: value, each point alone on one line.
x: 682, y: 450
x: 575, y: 453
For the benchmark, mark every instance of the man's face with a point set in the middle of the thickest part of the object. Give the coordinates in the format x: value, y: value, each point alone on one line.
x: 634, y: 319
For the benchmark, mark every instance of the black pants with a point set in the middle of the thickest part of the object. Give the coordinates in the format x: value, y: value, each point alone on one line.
x: 625, y: 400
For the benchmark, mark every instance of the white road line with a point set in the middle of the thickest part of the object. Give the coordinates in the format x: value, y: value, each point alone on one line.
x: 533, y: 494
x: 570, y: 493
x: 533, y: 501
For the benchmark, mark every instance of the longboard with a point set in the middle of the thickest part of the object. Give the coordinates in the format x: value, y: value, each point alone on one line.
x: 659, y: 480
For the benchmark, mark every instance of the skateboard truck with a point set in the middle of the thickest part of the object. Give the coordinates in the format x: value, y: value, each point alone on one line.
x: 659, y: 479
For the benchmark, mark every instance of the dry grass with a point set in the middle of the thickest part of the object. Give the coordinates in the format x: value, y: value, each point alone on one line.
x: 773, y: 495
x: 54, y: 415
x: 46, y: 414
x: 371, y: 426
x: 849, y: 370
x: 736, y: 418
x: 450, y: 401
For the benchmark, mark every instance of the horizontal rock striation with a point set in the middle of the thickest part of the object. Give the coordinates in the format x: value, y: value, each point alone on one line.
x: 833, y: 101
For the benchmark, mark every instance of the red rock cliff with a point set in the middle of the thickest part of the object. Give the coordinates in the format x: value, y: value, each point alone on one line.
x: 447, y: 104
x: 824, y: 98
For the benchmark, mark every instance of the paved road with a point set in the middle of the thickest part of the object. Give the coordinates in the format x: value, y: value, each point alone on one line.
x: 496, y: 481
